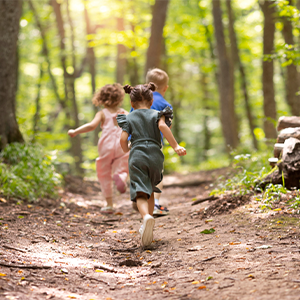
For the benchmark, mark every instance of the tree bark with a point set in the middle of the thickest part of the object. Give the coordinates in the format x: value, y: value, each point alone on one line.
x: 159, y: 14
x: 121, y: 53
x: 69, y: 80
x: 228, y: 117
x: 91, y: 57
x: 10, y: 13
x: 292, y: 84
x: 237, y: 60
x: 36, y: 117
x: 268, y: 70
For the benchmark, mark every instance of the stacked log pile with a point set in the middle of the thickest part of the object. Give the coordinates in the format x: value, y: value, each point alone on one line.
x: 286, y: 154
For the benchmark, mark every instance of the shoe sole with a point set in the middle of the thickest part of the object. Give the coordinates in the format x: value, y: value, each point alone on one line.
x: 147, y: 235
x: 121, y: 186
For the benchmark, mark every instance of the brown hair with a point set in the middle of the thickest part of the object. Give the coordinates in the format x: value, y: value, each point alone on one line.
x: 140, y: 92
x: 110, y: 95
x: 157, y: 76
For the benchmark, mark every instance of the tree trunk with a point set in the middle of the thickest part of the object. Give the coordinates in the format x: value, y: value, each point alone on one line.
x: 121, y: 53
x: 37, y: 116
x: 69, y: 81
x: 292, y: 84
x: 268, y: 70
x: 159, y: 14
x: 91, y: 57
x: 237, y: 60
x: 10, y: 13
x: 228, y: 117
x: 206, y: 130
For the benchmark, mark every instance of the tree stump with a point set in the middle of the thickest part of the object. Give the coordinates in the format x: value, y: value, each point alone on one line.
x: 288, y: 168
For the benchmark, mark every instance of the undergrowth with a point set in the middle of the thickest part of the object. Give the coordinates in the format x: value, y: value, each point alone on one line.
x: 247, y: 172
x: 27, y: 173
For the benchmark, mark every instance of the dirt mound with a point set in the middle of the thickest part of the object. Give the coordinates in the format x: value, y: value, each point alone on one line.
x: 79, y: 185
x: 225, y: 205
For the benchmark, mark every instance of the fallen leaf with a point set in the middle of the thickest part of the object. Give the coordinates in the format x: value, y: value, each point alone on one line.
x: 209, y: 278
x: 264, y: 247
x: 148, y: 251
x: 208, y: 220
x: 20, y: 217
x: 99, y: 271
x: 195, y: 282
x: 119, y: 214
x: 234, y: 243
x: 208, y: 231
x: 202, y: 287
x: 3, y: 200
x: 1, y: 274
x: 277, y: 209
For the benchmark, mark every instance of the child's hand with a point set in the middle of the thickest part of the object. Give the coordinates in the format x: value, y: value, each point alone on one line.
x: 72, y: 133
x: 180, y: 150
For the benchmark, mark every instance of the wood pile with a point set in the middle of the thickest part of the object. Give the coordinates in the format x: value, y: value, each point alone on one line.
x: 286, y: 154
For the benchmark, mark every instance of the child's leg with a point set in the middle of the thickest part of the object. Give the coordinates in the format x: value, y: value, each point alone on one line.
x: 145, y: 206
x: 120, y: 171
x: 103, y: 168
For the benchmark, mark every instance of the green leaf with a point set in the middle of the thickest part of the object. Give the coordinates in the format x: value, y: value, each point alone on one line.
x: 20, y: 217
x: 208, y: 231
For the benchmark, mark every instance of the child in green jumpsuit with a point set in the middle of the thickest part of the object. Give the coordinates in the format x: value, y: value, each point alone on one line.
x: 145, y: 158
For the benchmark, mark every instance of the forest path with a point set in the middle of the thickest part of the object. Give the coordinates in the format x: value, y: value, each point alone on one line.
x: 68, y: 250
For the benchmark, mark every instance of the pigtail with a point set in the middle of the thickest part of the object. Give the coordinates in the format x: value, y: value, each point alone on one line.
x: 128, y: 88
x: 151, y: 86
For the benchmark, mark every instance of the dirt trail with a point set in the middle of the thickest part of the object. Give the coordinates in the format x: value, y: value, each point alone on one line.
x: 68, y: 250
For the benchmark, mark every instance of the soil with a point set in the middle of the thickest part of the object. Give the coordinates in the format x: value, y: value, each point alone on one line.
x: 67, y: 249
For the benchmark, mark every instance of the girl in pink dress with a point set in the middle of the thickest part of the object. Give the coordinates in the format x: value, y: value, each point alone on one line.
x: 112, y: 163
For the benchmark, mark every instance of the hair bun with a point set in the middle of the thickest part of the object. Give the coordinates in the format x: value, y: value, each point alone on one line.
x: 127, y: 88
x: 151, y: 86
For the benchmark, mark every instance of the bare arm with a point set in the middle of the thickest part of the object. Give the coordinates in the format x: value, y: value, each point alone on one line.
x: 99, y: 117
x: 124, y: 141
x: 166, y: 131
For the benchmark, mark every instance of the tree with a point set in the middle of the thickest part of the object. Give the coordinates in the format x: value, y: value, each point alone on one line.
x: 292, y: 83
x: 69, y: 78
x: 268, y: 70
x: 237, y: 61
x: 159, y: 14
x: 228, y: 118
x: 10, y: 13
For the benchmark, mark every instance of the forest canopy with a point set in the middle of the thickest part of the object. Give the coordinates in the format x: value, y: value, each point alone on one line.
x: 232, y: 65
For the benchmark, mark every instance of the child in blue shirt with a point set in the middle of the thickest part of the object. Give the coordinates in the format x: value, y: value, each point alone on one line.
x: 161, y: 79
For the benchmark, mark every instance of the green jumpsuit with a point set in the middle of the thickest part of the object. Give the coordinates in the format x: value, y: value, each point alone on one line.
x: 145, y: 158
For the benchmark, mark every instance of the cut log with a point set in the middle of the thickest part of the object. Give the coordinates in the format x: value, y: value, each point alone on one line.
x: 288, y: 167
x: 287, y: 133
x: 285, y: 122
x: 278, y: 149
x: 273, y: 161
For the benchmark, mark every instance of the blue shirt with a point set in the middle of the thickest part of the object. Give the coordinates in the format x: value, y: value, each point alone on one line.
x: 159, y: 103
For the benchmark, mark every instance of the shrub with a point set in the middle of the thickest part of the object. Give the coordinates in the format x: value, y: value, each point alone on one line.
x: 26, y: 172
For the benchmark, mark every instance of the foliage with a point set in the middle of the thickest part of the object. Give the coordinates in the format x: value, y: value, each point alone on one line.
x: 247, y: 170
x: 271, y: 193
x: 27, y: 173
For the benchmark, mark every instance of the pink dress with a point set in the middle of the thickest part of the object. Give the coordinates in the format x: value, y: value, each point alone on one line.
x: 112, y: 163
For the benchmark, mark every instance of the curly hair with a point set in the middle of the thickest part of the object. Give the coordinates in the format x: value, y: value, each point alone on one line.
x: 110, y: 95
x: 140, y: 92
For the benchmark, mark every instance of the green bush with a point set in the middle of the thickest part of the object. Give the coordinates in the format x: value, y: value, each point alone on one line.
x: 247, y: 171
x: 27, y: 173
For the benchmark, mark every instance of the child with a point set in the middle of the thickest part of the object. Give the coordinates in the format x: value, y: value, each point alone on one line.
x: 112, y: 159
x: 161, y: 79
x: 146, y: 158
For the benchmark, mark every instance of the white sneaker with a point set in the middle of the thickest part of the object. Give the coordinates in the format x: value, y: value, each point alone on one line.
x: 146, y: 230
